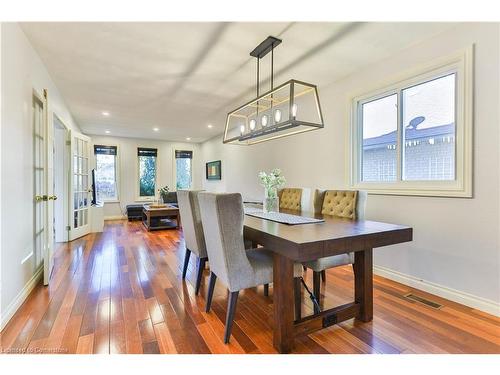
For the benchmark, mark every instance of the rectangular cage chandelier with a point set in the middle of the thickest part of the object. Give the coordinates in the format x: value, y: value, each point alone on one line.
x: 291, y: 108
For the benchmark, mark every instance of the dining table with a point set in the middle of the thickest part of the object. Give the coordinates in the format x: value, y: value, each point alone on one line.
x: 306, y: 242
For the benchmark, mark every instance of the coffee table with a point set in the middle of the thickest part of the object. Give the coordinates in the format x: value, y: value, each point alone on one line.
x: 160, y: 217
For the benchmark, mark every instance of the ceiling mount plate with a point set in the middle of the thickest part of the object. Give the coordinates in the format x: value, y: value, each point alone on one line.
x: 265, y: 47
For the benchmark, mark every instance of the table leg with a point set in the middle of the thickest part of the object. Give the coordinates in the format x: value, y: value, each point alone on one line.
x: 363, y: 283
x: 283, y: 301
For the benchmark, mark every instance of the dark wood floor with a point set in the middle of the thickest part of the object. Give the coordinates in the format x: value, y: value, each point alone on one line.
x: 121, y: 292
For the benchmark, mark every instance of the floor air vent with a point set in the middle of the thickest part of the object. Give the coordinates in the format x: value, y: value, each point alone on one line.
x: 413, y: 297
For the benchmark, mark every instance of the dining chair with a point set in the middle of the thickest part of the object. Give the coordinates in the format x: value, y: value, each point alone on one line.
x: 222, y: 216
x: 294, y: 198
x: 290, y: 198
x: 192, y: 228
x: 348, y: 204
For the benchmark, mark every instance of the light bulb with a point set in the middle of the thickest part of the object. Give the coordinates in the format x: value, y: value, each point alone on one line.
x: 277, y: 116
x: 294, y: 110
x: 252, y: 124
x: 242, y: 129
x: 263, y: 120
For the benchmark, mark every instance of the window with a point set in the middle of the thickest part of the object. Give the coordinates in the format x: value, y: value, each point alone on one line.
x: 106, y: 175
x: 415, y: 137
x: 183, y: 168
x: 147, y: 172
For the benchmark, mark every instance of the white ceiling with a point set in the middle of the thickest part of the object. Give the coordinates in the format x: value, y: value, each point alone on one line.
x: 180, y: 77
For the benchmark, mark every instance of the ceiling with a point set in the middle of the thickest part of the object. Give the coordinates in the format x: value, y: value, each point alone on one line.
x: 181, y: 77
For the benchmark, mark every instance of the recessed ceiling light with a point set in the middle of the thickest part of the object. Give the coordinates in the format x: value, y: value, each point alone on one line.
x: 156, y: 129
x: 188, y: 138
x: 105, y: 113
x: 107, y: 132
x: 210, y: 126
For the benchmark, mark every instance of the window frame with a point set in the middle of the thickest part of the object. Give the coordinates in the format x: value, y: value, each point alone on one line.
x: 460, y: 63
x: 117, y: 173
x: 174, y: 166
x: 151, y: 198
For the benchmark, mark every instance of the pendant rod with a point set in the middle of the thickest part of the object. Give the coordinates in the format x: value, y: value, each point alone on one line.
x: 258, y: 77
x: 272, y: 68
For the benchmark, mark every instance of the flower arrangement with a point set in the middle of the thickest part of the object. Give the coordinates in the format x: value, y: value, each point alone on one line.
x: 163, y: 192
x: 271, y: 182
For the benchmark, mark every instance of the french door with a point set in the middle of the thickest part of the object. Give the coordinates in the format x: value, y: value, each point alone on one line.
x: 43, y: 209
x: 79, y: 186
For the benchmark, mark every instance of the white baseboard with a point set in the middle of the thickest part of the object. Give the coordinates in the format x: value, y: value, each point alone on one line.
x: 115, y: 217
x: 20, y: 298
x: 479, y: 303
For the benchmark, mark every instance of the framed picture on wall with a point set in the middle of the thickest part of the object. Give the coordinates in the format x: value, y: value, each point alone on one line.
x: 213, y: 170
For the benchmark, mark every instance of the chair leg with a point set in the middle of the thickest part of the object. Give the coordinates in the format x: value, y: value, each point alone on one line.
x: 201, y: 267
x: 211, y: 287
x: 231, y: 308
x: 186, y: 263
x: 297, y: 289
x: 266, y: 290
x: 323, y: 276
x: 316, y: 288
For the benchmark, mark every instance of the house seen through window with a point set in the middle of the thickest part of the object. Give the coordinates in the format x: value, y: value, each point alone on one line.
x: 420, y: 138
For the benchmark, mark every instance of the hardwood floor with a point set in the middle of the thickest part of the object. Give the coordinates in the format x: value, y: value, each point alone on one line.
x: 121, y: 292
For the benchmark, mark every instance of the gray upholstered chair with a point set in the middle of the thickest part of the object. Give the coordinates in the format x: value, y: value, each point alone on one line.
x: 193, y: 232
x: 222, y: 216
x: 348, y: 204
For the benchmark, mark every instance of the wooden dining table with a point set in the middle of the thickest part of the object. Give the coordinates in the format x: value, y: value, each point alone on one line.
x: 306, y: 242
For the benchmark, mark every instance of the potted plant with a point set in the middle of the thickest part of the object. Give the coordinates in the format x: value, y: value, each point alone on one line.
x: 163, y: 192
x: 271, y: 182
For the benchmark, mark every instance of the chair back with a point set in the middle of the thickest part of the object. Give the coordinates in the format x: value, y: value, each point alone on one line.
x: 290, y: 198
x: 295, y: 198
x: 349, y: 204
x: 192, y: 227
x: 222, y: 216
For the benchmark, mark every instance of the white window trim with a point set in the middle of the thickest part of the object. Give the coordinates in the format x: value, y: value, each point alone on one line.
x: 152, y: 198
x: 174, y: 166
x: 461, y: 63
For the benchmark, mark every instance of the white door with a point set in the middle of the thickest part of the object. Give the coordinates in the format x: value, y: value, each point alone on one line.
x: 79, y: 186
x: 41, y: 237
x: 60, y: 155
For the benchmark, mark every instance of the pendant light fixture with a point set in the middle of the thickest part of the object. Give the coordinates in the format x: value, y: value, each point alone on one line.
x: 291, y: 108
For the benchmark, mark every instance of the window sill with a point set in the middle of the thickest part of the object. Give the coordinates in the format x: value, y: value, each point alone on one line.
x: 111, y: 201
x: 422, y: 192
x: 144, y: 199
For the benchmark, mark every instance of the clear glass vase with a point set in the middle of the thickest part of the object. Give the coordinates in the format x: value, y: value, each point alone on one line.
x: 271, y: 200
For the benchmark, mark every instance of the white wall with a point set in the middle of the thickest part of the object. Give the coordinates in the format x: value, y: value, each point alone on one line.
x: 127, y: 174
x: 456, y: 241
x: 21, y: 72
